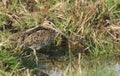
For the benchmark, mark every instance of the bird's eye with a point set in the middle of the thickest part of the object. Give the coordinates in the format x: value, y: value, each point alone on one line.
x: 49, y: 22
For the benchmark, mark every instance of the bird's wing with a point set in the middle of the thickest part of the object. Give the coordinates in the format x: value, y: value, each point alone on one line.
x: 36, y: 38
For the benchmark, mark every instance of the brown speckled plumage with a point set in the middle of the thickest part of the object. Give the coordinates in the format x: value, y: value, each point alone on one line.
x: 39, y: 39
x: 36, y: 37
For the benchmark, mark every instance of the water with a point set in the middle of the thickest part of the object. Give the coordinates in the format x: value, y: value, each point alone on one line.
x: 88, y: 67
x: 117, y: 69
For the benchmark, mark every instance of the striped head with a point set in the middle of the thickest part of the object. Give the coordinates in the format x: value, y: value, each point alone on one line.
x: 48, y: 25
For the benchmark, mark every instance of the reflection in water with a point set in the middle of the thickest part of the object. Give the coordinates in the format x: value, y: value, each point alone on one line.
x: 88, y: 66
x: 117, y: 69
x: 50, y: 69
x: 55, y: 73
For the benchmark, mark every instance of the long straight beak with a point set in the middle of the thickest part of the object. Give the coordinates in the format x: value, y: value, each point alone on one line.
x: 59, y: 31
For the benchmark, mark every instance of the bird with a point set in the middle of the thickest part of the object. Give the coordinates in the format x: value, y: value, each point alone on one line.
x: 36, y: 37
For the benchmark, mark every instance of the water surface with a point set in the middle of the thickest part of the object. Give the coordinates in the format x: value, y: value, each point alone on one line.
x: 86, y: 67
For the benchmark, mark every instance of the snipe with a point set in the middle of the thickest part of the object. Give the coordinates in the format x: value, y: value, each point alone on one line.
x: 36, y: 37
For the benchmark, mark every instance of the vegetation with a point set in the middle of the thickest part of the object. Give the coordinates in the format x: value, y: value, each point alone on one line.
x: 92, y: 25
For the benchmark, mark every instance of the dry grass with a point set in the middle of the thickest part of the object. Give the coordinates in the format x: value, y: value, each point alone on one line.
x: 93, y: 26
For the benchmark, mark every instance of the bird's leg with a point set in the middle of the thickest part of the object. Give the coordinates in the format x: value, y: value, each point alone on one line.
x: 35, y: 54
